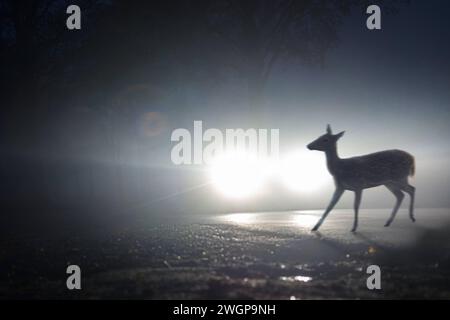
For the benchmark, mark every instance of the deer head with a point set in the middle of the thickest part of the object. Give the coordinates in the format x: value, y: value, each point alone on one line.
x: 326, y: 141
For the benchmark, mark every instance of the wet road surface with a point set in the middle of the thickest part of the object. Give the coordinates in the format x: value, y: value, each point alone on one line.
x: 240, y: 256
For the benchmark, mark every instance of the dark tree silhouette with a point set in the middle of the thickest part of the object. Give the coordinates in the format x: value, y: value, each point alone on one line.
x: 260, y: 33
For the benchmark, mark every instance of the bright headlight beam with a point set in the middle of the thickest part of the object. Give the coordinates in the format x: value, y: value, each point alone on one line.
x: 303, y: 172
x: 241, y: 175
x: 237, y: 175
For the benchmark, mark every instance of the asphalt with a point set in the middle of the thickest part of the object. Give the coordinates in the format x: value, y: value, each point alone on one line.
x: 271, y: 255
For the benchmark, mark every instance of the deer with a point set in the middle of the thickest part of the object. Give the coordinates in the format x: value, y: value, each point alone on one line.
x: 390, y: 168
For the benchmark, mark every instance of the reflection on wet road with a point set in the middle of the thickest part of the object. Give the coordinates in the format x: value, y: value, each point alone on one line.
x: 339, y: 223
x: 271, y: 255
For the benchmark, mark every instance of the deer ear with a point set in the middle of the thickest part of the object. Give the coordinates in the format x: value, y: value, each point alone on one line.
x: 340, y: 134
x: 329, y: 129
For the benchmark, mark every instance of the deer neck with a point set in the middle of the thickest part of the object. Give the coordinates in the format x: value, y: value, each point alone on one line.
x: 332, y: 160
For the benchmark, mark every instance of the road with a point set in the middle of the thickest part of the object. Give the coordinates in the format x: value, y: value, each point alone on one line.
x: 241, y: 256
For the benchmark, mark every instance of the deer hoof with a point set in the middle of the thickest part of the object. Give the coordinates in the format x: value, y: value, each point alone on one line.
x: 387, y: 224
x: 413, y: 219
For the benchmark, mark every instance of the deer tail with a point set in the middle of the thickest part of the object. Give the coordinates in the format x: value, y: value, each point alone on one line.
x: 412, y: 170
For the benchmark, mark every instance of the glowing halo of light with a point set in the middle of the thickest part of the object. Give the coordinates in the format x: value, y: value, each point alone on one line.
x: 237, y: 174
x: 240, y: 175
x: 304, y: 172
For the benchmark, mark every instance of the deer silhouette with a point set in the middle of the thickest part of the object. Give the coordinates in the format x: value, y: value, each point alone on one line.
x: 390, y: 168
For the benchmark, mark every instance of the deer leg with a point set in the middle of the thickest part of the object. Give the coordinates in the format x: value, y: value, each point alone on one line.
x: 399, y: 195
x: 358, y: 194
x: 336, y: 196
x: 409, y: 189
